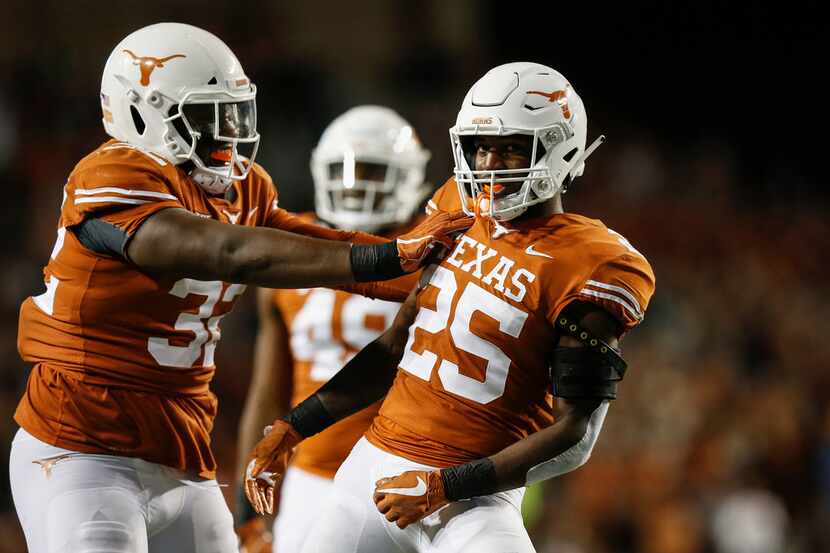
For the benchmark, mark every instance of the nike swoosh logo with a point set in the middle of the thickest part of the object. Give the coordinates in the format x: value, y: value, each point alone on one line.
x: 419, y: 489
x: 531, y: 251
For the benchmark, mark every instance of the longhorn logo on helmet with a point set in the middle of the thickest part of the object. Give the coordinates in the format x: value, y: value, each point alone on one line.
x: 147, y: 64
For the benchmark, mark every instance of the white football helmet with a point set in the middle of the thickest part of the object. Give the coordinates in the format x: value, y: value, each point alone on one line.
x: 368, y: 170
x: 179, y: 92
x: 520, y: 98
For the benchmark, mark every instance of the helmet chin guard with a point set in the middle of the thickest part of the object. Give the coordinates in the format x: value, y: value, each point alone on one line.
x: 526, y: 99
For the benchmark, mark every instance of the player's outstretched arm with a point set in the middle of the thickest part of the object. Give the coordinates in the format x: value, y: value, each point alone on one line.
x: 560, y: 448
x: 269, y: 393
x: 177, y: 243
x: 363, y: 380
x: 391, y: 290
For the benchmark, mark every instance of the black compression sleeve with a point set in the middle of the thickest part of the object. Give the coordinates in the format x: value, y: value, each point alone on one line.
x: 375, y: 261
x: 309, y: 417
x: 470, y: 480
x: 101, y: 237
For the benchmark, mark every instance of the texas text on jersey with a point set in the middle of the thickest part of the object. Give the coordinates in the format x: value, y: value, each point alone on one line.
x: 490, y: 308
x: 123, y: 359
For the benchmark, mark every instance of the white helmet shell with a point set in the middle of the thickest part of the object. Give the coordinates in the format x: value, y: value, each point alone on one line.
x: 377, y: 136
x: 155, y: 73
x: 520, y: 98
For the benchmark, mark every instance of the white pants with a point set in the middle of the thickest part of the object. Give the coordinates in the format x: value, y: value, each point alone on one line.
x: 70, y: 502
x: 350, y: 522
x: 301, y: 497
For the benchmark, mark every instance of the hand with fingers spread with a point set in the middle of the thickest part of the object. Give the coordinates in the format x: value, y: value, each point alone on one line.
x: 267, y: 464
x: 437, y: 230
x: 410, y: 496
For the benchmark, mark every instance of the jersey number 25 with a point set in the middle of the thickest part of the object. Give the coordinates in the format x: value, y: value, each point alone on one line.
x: 473, y: 298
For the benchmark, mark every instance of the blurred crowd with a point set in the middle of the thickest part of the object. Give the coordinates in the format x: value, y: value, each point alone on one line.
x: 720, y: 439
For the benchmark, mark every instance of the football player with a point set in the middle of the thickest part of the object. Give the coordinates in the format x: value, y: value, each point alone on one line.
x: 368, y: 171
x: 499, y: 369
x: 160, y: 229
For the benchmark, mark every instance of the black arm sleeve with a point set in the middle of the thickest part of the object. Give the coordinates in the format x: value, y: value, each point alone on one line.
x: 101, y: 237
x: 591, y: 371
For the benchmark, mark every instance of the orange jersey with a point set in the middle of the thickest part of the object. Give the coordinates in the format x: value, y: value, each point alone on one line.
x: 122, y: 359
x: 474, y: 377
x: 445, y: 198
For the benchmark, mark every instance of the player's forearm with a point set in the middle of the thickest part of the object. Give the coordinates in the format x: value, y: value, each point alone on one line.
x: 549, y: 452
x: 176, y: 243
x: 365, y: 379
x: 277, y: 259
x: 296, y: 261
x: 513, y: 463
x: 362, y: 381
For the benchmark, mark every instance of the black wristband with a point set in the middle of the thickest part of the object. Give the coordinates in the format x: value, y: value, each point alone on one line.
x: 309, y: 417
x: 244, y: 511
x: 469, y: 480
x: 375, y: 261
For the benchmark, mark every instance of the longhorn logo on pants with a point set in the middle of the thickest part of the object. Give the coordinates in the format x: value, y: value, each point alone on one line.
x: 147, y: 64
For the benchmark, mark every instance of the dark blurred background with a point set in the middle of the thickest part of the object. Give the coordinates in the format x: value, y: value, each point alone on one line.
x: 720, y: 441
